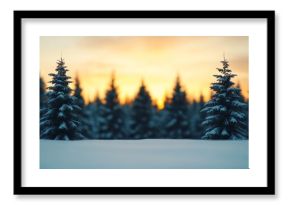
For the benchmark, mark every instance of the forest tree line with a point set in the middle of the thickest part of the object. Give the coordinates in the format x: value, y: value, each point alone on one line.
x: 65, y: 116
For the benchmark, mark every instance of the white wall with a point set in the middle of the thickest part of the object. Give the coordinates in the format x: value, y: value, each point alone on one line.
x: 6, y: 108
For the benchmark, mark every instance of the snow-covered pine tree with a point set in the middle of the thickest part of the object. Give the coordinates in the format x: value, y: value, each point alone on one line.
x: 60, y: 120
x: 225, y: 112
x: 111, y: 115
x: 141, y: 115
x: 177, y: 119
x: 86, y: 125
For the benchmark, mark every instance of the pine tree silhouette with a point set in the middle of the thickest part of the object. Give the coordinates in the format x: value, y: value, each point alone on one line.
x: 111, y: 115
x: 60, y: 121
x: 83, y: 115
x: 142, y: 114
x: 177, y: 120
x: 225, y: 112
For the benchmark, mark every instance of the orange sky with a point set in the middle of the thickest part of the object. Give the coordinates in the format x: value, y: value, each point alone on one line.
x: 155, y: 59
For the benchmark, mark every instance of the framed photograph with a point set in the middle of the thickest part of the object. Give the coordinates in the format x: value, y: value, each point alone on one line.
x: 144, y: 102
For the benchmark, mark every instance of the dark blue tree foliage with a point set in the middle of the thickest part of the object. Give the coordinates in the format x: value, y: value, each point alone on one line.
x: 161, y: 119
x: 198, y: 117
x: 226, y: 111
x: 194, y: 115
x: 111, y: 116
x: 86, y: 125
x: 201, y: 102
x: 98, y: 117
x: 60, y: 121
x: 127, y: 109
x: 177, y: 119
x: 142, y: 115
x: 156, y: 121
x: 90, y: 110
x: 94, y: 111
x: 98, y: 103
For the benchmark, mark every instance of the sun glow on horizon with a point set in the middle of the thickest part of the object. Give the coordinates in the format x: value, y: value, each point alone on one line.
x: 156, y: 60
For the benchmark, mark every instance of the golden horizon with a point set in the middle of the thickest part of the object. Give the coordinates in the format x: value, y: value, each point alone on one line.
x: 155, y: 60
x: 127, y: 100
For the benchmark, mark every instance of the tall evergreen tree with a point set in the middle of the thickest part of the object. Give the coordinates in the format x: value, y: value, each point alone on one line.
x: 177, y: 120
x: 225, y: 112
x: 78, y: 93
x: 111, y: 122
x: 142, y: 114
x: 60, y: 121
x: 86, y: 125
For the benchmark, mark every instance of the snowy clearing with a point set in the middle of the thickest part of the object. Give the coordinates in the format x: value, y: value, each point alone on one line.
x: 144, y: 154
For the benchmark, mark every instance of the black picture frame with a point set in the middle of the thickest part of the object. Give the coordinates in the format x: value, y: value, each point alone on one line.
x: 268, y: 190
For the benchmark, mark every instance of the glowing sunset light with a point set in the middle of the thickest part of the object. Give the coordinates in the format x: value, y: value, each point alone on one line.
x: 156, y: 60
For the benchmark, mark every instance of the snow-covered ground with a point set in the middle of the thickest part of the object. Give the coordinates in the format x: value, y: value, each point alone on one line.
x: 143, y: 154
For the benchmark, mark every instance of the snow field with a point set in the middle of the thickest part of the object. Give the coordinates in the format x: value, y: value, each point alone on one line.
x: 144, y: 154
